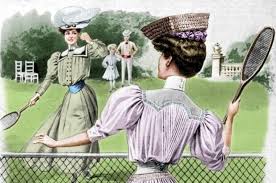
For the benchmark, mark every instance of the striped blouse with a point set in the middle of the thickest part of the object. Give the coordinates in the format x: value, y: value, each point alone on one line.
x: 160, y: 123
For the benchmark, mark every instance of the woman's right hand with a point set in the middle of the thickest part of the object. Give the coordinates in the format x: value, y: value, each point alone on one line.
x: 44, y: 139
x: 34, y: 99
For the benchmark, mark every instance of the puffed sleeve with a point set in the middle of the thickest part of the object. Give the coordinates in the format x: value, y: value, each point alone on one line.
x: 96, y: 49
x: 105, y: 62
x: 207, y: 143
x: 122, y: 111
x: 52, y: 67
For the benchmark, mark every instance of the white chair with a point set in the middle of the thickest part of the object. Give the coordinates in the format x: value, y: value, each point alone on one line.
x: 19, y: 74
x: 30, y: 75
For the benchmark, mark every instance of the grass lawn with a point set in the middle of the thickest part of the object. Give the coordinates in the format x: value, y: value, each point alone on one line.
x: 250, y: 126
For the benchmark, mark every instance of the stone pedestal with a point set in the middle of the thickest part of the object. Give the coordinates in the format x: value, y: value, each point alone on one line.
x: 217, y: 60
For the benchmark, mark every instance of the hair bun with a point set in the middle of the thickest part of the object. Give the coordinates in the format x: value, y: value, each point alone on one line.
x: 189, y: 55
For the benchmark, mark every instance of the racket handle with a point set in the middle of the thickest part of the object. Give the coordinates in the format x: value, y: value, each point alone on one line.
x: 224, y: 119
x: 24, y: 108
x: 237, y: 95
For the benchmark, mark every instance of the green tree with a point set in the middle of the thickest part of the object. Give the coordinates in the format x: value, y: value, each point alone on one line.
x: 238, y: 50
x: 37, y: 43
x: 237, y: 53
x: 264, y: 78
x: 206, y: 71
x: 108, y: 27
x: 234, y: 56
x: 18, y: 23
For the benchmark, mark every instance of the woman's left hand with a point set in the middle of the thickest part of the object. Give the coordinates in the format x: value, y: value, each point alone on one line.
x: 85, y: 37
x: 233, y: 108
x: 45, y: 139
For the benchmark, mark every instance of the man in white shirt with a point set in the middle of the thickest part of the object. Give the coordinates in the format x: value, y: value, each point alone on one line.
x: 127, y: 49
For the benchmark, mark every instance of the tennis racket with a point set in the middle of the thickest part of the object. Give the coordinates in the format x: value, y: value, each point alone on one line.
x: 255, y: 59
x: 10, y: 119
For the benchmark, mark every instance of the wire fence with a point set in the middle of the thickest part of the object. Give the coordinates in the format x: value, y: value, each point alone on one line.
x: 115, y: 167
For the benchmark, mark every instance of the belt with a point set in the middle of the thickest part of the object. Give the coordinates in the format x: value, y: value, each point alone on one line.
x: 150, y: 177
x: 75, y: 88
x: 126, y: 56
x: 151, y: 167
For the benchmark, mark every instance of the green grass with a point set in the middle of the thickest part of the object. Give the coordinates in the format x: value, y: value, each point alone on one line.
x: 249, y: 130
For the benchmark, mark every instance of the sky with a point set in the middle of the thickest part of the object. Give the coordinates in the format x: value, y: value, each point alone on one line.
x: 230, y: 21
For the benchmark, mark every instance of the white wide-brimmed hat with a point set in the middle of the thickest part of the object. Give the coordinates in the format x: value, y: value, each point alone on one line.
x: 126, y: 32
x: 74, y: 17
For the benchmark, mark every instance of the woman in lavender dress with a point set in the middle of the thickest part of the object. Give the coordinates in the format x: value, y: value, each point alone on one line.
x: 160, y: 123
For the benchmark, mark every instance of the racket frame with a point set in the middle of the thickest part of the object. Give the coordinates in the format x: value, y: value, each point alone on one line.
x: 18, y: 116
x: 243, y: 83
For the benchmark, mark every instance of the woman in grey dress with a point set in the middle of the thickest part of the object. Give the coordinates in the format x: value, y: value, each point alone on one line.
x: 78, y: 111
x: 160, y: 123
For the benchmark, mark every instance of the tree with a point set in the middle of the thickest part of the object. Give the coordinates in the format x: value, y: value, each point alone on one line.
x: 238, y: 50
x: 36, y: 45
x: 234, y: 56
x: 264, y: 78
x: 237, y: 53
x: 39, y: 42
x: 15, y: 25
x: 108, y: 27
x: 206, y: 71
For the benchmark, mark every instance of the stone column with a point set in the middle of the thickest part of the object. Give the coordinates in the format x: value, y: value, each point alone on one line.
x: 217, y: 59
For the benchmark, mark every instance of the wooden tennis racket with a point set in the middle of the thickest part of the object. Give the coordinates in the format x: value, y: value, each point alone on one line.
x: 10, y: 119
x: 255, y: 59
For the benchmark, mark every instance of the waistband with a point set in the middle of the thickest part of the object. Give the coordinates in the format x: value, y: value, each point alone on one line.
x: 152, y: 177
x: 151, y: 167
x: 75, y: 88
x: 126, y: 56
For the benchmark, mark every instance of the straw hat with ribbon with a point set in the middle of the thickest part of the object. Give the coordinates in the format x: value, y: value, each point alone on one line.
x: 190, y: 26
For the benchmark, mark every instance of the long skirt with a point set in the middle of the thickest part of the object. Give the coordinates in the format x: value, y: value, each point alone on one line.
x: 77, y: 113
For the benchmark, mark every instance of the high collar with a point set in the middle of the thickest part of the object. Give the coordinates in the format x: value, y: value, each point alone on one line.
x: 72, y: 47
x: 75, y: 50
x: 175, y: 82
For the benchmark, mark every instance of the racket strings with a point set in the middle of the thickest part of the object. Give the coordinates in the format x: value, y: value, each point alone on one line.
x: 258, y: 53
x: 8, y: 120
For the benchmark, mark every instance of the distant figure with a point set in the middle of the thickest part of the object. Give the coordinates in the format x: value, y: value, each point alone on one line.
x: 111, y: 73
x: 127, y: 49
